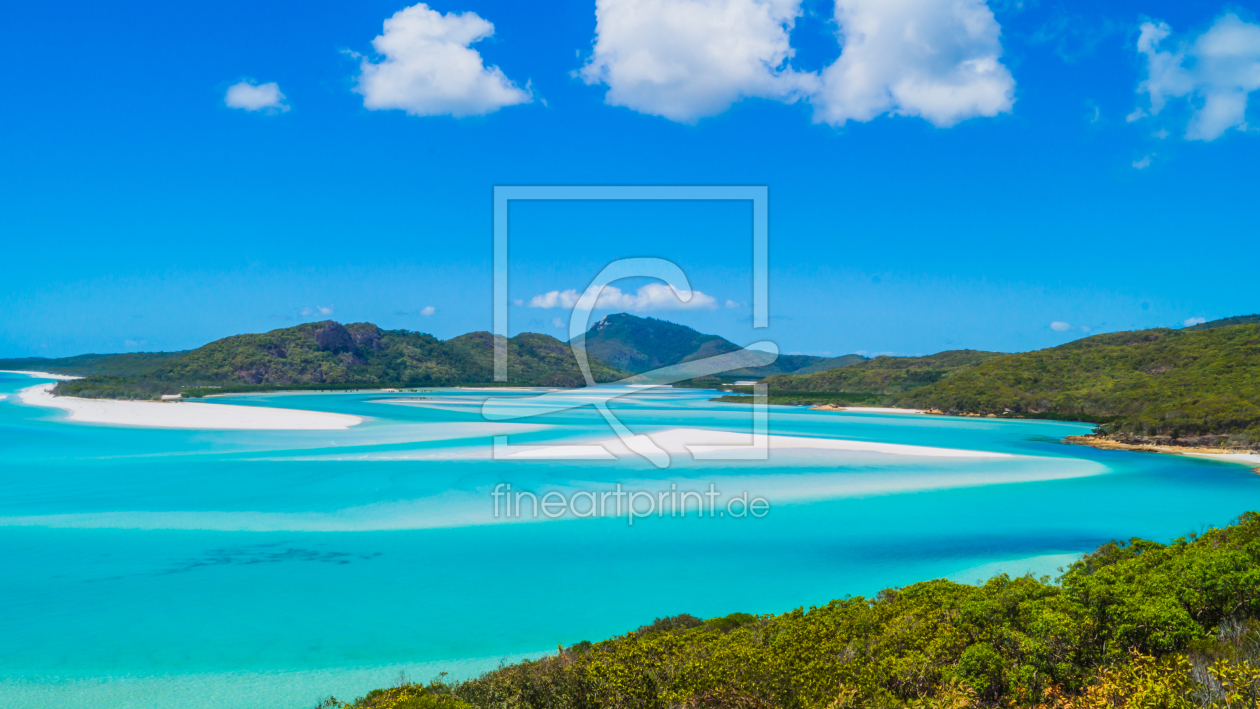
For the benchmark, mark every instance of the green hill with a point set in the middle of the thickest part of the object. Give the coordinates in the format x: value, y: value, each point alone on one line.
x: 883, y: 375
x: 642, y: 344
x: 828, y: 363
x: 638, y: 345
x: 1200, y: 386
x: 90, y: 364
x: 1226, y: 322
x: 1195, y: 386
x: 329, y: 355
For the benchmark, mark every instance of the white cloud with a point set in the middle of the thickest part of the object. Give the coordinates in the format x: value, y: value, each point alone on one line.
x: 653, y: 296
x: 1137, y: 115
x: 1058, y: 326
x: 427, y: 67
x: 255, y: 97
x: 428, y: 310
x: 687, y: 59
x: 557, y: 299
x: 1194, y: 321
x: 939, y: 59
x: 1143, y: 163
x: 318, y: 310
x: 733, y: 304
x: 557, y: 322
x: 1216, y: 72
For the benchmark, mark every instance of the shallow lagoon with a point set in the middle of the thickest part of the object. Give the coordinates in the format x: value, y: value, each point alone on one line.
x: 149, y: 567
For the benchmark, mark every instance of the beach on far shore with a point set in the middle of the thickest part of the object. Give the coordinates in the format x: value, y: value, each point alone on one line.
x: 40, y: 375
x: 1242, y: 457
x: 182, y: 414
x: 865, y: 409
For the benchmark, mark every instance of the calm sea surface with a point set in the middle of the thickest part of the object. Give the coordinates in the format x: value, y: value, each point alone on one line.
x: 251, y: 569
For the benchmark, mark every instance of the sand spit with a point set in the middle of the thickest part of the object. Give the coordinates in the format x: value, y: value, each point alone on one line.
x: 1232, y: 455
x: 154, y: 414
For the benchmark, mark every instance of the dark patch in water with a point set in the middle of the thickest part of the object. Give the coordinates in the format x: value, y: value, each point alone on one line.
x: 1044, y: 439
x: 266, y: 554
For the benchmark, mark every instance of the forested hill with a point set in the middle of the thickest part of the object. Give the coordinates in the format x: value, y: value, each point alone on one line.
x: 330, y: 355
x: 884, y: 375
x: 1180, y: 384
x: 89, y: 364
x: 1197, y: 386
x: 638, y: 345
x: 1226, y: 322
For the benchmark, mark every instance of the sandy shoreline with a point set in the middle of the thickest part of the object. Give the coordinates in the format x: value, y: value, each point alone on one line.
x: 154, y: 414
x: 865, y: 409
x: 40, y: 375
x: 1242, y: 457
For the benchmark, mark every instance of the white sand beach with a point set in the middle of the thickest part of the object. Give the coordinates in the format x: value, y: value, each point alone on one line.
x: 39, y: 375
x: 153, y: 414
x: 1227, y: 456
x: 1243, y: 458
x: 865, y: 409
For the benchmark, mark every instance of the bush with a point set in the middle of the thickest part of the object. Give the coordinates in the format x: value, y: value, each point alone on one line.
x: 1132, y: 620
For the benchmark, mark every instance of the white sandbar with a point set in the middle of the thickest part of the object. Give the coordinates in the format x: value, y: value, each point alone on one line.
x: 39, y: 375
x: 1245, y: 458
x: 693, y: 440
x: 154, y: 414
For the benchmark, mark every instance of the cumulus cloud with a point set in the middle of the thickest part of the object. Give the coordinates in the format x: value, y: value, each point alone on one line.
x: 1216, y: 72
x: 324, y: 310
x: 428, y: 68
x: 1144, y: 162
x: 687, y: 59
x: 939, y: 59
x: 428, y: 310
x: 249, y: 96
x: 1194, y: 321
x: 1059, y: 326
x: 653, y: 296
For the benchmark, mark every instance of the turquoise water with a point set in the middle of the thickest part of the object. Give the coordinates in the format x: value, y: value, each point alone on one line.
x: 169, y: 568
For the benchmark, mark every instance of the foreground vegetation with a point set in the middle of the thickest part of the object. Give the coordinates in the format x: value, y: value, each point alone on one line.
x: 1137, y: 624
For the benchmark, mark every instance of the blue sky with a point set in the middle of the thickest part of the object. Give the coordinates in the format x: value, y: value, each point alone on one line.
x: 996, y: 176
